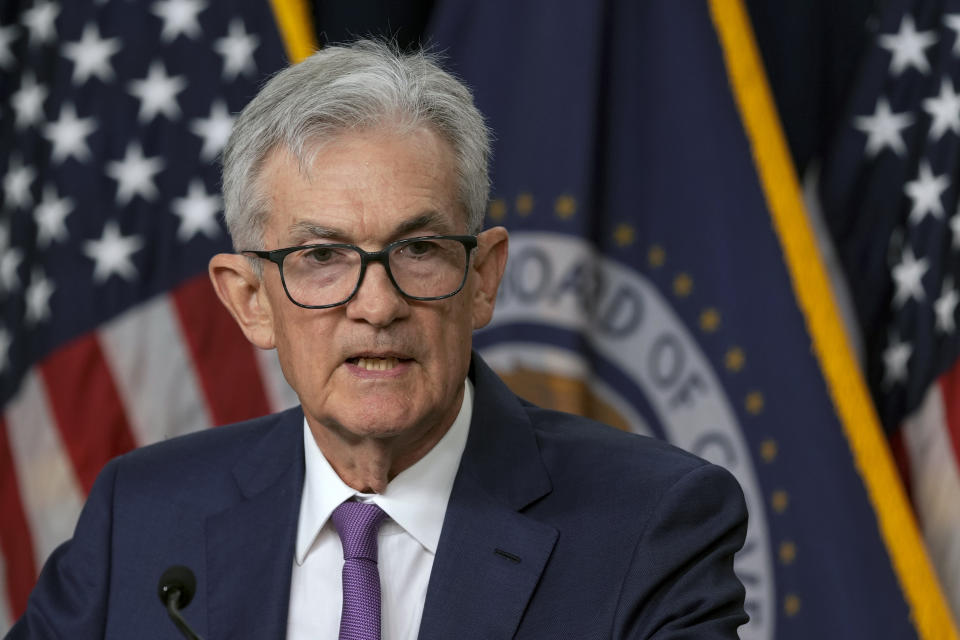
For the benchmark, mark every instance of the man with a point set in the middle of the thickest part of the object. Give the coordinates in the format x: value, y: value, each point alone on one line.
x: 355, y: 185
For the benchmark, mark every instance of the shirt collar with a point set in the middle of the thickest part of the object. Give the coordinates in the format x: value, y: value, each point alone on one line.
x: 416, y: 499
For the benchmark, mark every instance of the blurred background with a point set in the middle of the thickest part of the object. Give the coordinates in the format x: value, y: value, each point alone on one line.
x: 733, y: 225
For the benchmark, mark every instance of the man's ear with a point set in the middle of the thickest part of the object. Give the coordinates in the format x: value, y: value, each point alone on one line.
x: 241, y: 291
x: 489, y: 261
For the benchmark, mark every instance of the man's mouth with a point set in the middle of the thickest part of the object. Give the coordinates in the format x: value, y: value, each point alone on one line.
x: 375, y: 364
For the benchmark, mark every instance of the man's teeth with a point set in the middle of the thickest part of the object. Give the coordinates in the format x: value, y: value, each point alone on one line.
x: 377, y: 364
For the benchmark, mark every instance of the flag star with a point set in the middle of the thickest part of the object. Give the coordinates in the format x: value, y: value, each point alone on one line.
x: 907, y: 47
x: 51, y: 215
x: 134, y: 174
x: 7, y: 35
x: 945, y: 306
x: 39, y: 21
x: 197, y: 212
x: 179, y: 17
x: 237, y: 50
x: 883, y: 128
x: 111, y: 254
x: 908, y: 277
x: 944, y: 109
x: 214, y: 130
x: 5, y: 342
x: 157, y: 93
x: 895, y: 359
x: 28, y: 101
x: 91, y: 55
x: 952, y: 21
x: 925, y: 192
x: 16, y: 183
x: 68, y: 135
x: 37, y: 297
x: 10, y: 261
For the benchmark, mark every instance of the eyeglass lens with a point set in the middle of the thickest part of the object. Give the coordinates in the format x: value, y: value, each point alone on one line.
x: 423, y: 268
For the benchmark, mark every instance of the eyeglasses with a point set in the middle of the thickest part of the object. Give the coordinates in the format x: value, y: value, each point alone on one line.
x: 319, y: 276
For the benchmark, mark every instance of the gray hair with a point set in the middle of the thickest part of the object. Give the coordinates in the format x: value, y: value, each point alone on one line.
x: 349, y: 88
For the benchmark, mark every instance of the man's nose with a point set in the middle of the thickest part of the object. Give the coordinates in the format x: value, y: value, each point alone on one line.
x: 377, y: 300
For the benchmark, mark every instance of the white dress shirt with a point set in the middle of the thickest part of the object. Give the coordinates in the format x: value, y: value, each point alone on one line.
x: 415, y: 502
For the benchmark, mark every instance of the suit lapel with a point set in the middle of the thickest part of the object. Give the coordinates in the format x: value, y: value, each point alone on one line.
x: 489, y: 559
x: 250, y: 546
x: 490, y: 556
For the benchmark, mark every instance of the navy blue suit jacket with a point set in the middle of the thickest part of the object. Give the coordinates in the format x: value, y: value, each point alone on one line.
x: 556, y: 528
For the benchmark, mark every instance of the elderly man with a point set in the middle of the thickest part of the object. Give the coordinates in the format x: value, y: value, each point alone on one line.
x: 410, y: 494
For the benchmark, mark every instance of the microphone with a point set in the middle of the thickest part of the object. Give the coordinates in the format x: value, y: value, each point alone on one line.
x: 176, y: 588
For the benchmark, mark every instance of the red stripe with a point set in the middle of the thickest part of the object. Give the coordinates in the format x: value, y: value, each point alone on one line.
x: 225, y: 362
x: 15, y: 541
x: 901, y: 457
x: 86, y: 407
x: 950, y: 390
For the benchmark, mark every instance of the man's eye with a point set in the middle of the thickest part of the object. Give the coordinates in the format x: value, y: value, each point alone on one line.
x: 320, y: 255
x: 420, y: 248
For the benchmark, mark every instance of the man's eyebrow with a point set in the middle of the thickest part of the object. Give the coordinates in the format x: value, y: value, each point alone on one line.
x: 305, y: 230
x: 428, y: 220
x: 432, y: 221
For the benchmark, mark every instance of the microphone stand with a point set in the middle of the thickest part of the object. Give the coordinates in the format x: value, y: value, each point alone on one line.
x: 173, y: 609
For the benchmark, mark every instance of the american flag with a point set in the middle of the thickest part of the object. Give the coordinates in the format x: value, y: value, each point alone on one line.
x: 112, y: 117
x: 890, y: 189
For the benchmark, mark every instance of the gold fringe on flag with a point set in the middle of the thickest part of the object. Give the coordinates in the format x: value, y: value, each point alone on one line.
x: 811, y: 286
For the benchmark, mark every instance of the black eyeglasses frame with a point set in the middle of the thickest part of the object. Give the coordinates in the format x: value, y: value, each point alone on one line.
x: 277, y: 256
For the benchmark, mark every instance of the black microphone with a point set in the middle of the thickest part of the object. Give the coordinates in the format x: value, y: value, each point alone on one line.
x: 176, y: 588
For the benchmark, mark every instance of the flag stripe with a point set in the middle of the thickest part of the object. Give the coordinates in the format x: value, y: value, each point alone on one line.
x: 811, y: 286
x: 936, y: 483
x: 898, y: 447
x: 49, y: 487
x: 86, y: 407
x: 224, y: 360
x: 281, y: 395
x: 17, y: 561
x: 153, y: 372
x: 950, y: 389
x: 6, y: 617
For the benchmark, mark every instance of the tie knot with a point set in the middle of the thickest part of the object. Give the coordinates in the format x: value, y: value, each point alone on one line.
x: 358, y: 524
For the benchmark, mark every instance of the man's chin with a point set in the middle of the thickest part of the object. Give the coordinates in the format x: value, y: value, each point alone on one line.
x: 380, y: 416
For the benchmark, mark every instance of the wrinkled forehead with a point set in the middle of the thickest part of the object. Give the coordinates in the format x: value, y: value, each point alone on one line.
x: 401, y: 179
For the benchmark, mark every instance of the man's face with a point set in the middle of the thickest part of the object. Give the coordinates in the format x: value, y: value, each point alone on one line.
x: 381, y: 365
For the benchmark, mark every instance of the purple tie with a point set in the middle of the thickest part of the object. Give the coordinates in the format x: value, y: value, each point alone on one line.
x: 358, y: 523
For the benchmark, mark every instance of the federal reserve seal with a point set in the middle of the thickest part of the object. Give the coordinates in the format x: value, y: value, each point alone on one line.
x: 576, y: 331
